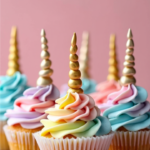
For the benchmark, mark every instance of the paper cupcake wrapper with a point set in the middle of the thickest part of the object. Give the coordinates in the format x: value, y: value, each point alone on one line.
x: 139, y: 140
x: 91, y: 143
x: 3, y: 140
x: 20, y: 140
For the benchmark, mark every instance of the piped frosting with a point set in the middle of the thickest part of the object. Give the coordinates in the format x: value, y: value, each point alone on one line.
x: 75, y: 114
x: 103, y: 90
x: 11, y: 87
x: 130, y: 109
x: 30, y: 109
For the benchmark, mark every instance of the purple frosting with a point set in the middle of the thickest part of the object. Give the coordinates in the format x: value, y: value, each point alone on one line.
x: 43, y: 93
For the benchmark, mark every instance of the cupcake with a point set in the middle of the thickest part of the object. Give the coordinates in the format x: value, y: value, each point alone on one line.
x: 130, y: 112
x: 75, y: 122
x: 88, y: 84
x: 111, y: 85
x: 28, y: 110
x: 11, y: 86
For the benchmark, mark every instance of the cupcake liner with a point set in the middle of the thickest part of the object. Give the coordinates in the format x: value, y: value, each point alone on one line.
x: 139, y: 140
x: 3, y: 140
x: 90, y: 143
x: 20, y: 140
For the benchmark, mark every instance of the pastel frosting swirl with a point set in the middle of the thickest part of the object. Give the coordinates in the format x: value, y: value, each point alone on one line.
x: 130, y: 109
x: 30, y: 109
x: 88, y: 86
x: 103, y: 90
x: 11, y: 87
x: 75, y: 114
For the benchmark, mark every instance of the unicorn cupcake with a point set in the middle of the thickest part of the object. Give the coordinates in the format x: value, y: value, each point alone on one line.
x: 12, y: 86
x: 75, y: 122
x: 129, y: 114
x: 24, y: 119
x: 111, y: 85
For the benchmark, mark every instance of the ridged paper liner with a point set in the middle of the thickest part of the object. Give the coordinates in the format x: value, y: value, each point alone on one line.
x: 91, y: 143
x: 3, y: 140
x: 20, y: 140
x: 139, y: 140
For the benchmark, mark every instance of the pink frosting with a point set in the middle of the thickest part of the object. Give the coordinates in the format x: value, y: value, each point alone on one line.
x: 103, y: 90
x: 83, y: 108
x: 126, y: 94
x: 30, y: 105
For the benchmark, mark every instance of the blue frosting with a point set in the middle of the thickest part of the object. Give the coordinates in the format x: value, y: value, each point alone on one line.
x: 105, y: 127
x: 142, y: 95
x: 11, y: 88
x: 133, y: 116
x: 88, y: 86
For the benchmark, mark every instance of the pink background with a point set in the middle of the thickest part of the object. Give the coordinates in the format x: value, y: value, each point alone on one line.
x: 60, y: 18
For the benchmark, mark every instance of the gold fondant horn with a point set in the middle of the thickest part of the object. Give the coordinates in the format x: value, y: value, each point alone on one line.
x: 75, y: 82
x: 113, y: 64
x: 84, y: 56
x: 13, y: 65
x: 45, y: 72
x: 129, y: 71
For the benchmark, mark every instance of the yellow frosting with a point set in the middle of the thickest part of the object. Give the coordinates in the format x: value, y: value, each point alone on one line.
x: 59, y: 126
x: 66, y: 100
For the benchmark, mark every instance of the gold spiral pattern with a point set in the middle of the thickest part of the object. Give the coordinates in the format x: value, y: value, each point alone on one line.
x: 84, y: 56
x: 113, y: 71
x: 75, y: 82
x: 46, y: 72
x: 129, y: 71
x: 13, y: 64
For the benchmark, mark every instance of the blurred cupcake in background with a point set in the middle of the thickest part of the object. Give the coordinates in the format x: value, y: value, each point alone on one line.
x: 112, y: 84
x: 29, y: 109
x: 75, y: 122
x: 129, y: 114
x: 12, y: 86
x: 88, y: 84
